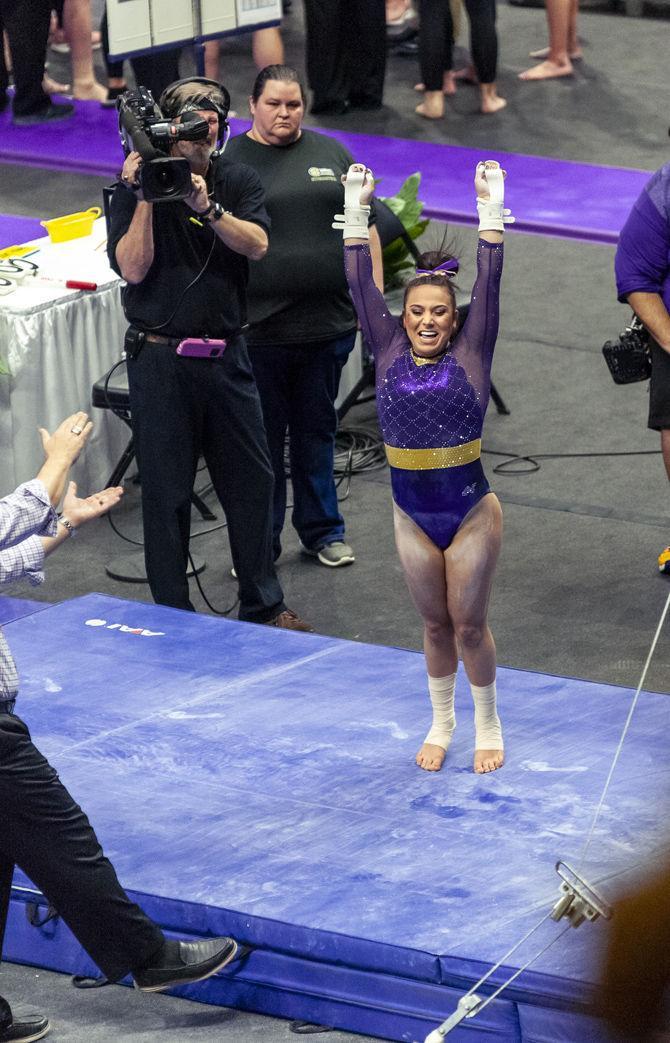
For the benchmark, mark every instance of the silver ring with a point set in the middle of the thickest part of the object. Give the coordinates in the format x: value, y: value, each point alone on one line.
x: 76, y: 430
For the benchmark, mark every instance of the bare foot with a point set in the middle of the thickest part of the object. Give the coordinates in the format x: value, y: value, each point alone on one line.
x: 90, y: 91
x: 543, y: 52
x: 50, y: 86
x: 487, y: 760
x: 431, y: 757
x: 448, y: 84
x: 490, y: 99
x: 548, y: 71
x: 468, y: 74
x: 432, y: 106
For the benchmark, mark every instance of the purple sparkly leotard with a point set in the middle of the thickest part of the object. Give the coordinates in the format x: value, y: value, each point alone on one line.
x: 432, y: 414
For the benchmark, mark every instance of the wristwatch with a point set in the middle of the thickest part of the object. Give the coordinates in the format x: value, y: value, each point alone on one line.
x: 213, y: 212
x: 66, y: 523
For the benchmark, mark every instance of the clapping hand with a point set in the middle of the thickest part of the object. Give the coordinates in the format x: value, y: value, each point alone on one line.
x: 78, y: 511
x: 69, y: 438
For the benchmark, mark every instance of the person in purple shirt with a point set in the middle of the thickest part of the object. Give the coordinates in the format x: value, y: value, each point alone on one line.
x: 642, y: 269
x: 42, y: 829
x: 432, y: 392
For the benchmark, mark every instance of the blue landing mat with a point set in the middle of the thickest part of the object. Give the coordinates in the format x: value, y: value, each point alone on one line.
x: 547, y: 196
x: 14, y: 608
x: 261, y: 782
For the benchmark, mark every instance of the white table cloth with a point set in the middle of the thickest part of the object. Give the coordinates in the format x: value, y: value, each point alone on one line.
x: 56, y: 343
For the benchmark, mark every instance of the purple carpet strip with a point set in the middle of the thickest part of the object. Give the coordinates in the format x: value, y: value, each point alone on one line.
x: 15, y: 230
x: 547, y: 196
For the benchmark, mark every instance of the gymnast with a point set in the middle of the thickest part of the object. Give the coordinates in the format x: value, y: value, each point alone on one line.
x: 432, y: 394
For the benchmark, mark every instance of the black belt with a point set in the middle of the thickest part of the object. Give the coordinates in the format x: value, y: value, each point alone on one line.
x: 7, y: 705
x: 174, y: 342
x: 156, y: 338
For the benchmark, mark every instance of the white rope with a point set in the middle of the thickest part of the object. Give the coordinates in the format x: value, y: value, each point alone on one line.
x: 506, y: 956
x: 506, y: 984
x: 624, y: 733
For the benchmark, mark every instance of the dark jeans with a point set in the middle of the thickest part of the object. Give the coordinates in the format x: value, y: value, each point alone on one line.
x: 182, y: 407
x: 345, y: 45
x: 298, y: 386
x: 26, y: 23
x: 436, y: 40
x: 46, y: 833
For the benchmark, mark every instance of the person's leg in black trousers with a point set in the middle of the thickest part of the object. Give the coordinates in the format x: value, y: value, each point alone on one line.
x: 116, y: 84
x: 484, y: 48
x: 436, y: 32
x: 47, y: 834
x: 4, y: 73
x: 6, y: 874
x: 326, y: 61
x: 167, y: 437
x: 26, y: 23
x: 272, y: 366
x: 235, y: 449
x: 365, y: 51
x: 156, y: 71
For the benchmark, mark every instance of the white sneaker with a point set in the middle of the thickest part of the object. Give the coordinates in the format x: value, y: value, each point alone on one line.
x: 332, y: 554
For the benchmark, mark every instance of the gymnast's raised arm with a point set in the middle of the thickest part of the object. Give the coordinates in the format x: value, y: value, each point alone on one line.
x: 480, y: 328
x: 377, y: 323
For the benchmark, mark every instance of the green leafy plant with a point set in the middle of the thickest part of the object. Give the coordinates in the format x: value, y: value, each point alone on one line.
x: 4, y: 369
x: 407, y: 207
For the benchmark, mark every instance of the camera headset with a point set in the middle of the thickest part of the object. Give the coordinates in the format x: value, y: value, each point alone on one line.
x: 198, y: 93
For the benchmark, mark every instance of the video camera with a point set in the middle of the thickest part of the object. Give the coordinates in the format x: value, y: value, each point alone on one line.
x: 629, y: 358
x: 144, y: 129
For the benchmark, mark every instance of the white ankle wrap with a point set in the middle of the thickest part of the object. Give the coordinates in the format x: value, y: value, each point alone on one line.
x: 488, y: 731
x: 442, y: 690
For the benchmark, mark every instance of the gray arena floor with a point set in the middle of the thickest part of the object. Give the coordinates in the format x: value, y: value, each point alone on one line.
x: 577, y: 591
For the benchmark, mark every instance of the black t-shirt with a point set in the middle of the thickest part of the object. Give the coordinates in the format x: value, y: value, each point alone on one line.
x: 298, y: 292
x: 214, y: 304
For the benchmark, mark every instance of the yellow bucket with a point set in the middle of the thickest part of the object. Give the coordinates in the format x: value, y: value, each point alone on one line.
x: 72, y: 226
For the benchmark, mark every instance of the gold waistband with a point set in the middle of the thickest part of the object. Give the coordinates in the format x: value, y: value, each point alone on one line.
x: 427, y: 459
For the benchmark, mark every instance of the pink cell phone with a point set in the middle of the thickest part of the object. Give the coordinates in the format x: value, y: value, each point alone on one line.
x: 201, y: 348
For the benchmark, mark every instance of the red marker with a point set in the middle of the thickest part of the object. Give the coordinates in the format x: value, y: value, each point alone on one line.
x: 69, y: 284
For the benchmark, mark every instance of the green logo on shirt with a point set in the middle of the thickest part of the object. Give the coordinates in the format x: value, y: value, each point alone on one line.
x: 321, y: 174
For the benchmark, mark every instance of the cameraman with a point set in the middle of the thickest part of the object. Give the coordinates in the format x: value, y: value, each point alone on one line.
x: 186, y: 268
x: 642, y: 267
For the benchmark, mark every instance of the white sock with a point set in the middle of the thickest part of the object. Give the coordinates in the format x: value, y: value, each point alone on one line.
x: 488, y: 731
x: 442, y: 691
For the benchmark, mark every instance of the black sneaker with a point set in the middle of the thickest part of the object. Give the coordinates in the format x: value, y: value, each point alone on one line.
x: 187, y: 962
x: 50, y: 114
x: 25, y: 1030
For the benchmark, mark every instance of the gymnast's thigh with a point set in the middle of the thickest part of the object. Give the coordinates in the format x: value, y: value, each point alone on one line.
x: 423, y: 565
x: 471, y: 560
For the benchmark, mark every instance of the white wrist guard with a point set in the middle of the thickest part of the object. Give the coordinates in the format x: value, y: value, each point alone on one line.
x: 353, y: 223
x: 493, y: 216
x: 492, y: 213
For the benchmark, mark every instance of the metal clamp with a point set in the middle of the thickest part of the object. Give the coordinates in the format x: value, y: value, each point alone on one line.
x: 467, y: 1008
x: 578, y: 901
